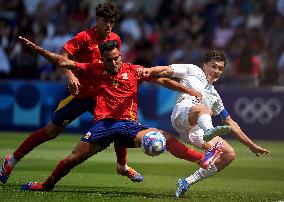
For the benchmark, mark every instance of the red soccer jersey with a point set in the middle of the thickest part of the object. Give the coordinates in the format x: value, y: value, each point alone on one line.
x: 117, y: 97
x: 84, y: 49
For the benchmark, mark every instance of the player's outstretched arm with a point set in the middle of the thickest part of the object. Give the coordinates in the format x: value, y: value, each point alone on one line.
x: 176, y: 86
x: 160, y: 71
x: 54, y: 58
x: 72, y: 80
x: 237, y: 131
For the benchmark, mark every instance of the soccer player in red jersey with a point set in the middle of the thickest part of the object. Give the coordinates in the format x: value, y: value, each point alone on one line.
x: 82, y: 48
x: 115, y: 113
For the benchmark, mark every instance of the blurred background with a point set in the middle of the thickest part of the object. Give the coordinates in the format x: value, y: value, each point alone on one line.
x: 153, y: 32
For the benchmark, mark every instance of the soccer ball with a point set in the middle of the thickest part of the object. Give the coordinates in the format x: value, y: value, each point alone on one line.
x: 153, y: 143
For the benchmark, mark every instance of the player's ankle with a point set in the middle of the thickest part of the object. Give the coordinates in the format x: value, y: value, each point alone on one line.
x: 122, y: 167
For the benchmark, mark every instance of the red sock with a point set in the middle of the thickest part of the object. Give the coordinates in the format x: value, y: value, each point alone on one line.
x: 121, y: 154
x: 179, y: 150
x: 62, y: 169
x: 30, y: 143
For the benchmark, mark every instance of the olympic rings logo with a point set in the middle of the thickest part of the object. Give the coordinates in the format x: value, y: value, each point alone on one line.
x: 257, y: 109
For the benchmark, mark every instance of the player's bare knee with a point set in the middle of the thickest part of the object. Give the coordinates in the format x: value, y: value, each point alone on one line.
x: 52, y: 131
x: 202, y: 109
x: 205, y: 110
x: 229, y: 154
x: 196, y: 111
x: 75, y: 158
x: 232, y: 155
x: 69, y: 160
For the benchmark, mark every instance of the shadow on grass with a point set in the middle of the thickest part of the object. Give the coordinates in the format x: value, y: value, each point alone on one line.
x: 113, y: 192
x: 103, y: 193
x: 99, y: 191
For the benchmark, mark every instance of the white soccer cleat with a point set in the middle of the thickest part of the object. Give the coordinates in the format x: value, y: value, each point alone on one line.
x: 217, y: 131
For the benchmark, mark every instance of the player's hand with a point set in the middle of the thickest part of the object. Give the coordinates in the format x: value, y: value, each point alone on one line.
x: 257, y: 150
x: 144, y: 72
x: 28, y: 43
x: 195, y: 93
x: 73, y: 84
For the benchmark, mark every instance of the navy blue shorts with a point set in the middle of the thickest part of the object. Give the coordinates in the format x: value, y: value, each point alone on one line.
x: 70, y: 108
x: 107, y: 131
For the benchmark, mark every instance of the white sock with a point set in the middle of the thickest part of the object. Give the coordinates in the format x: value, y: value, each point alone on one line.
x: 123, y: 167
x: 12, y: 161
x: 205, y: 122
x: 202, y: 174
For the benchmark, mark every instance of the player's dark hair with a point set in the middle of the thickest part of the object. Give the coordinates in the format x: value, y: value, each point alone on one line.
x: 217, y: 55
x: 108, y: 46
x: 107, y: 11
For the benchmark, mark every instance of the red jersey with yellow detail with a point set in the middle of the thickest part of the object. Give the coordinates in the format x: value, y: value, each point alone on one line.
x: 117, y: 97
x: 84, y: 49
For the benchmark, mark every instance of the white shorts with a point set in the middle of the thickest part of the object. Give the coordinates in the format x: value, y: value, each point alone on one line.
x: 179, y: 118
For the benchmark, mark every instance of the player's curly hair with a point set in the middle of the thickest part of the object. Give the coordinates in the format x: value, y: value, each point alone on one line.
x: 107, y: 11
x: 108, y: 46
x: 215, y: 54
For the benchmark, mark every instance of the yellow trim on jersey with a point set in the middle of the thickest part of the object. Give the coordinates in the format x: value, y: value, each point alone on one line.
x: 133, y: 117
x: 115, y: 83
x: 64, y: 102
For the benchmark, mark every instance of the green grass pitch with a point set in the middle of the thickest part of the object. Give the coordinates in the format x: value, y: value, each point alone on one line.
x: 248, y: 178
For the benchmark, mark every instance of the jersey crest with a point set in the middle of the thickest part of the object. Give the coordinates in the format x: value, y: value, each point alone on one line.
x: 124, y: 76
x: 115, y: 83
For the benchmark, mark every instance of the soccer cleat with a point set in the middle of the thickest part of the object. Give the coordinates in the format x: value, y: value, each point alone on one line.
x: 182, y: 187
x: 217, y: 131
x: 211, y: 155
x: 132, y: 174
x: 5, y: 169
x: 33, y: 186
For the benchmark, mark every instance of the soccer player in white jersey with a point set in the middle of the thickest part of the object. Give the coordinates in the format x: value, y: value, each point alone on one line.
x: 192, y: 119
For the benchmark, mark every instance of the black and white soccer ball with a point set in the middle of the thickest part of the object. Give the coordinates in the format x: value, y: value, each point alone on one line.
x: 153, y: 143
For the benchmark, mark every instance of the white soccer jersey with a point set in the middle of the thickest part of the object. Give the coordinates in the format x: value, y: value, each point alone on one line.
x: 192, y: 76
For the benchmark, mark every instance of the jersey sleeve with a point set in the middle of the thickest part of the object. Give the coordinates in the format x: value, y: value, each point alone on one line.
x: 90, y: 69
x: 218, y: 106
x: 182, y: 70
x: 75, y: 44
